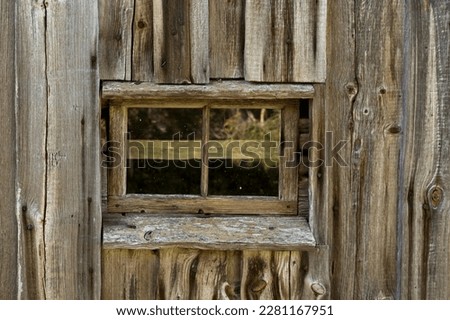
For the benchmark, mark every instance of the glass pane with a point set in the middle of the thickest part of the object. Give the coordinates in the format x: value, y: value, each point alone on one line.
x: 170, y: 177
x: 164, y: 151
x: 243, y: 152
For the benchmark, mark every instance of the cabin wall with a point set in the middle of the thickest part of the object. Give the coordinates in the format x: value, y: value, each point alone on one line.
x: 382, y: 85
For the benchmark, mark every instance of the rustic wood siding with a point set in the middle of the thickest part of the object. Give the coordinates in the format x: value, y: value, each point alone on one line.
x: 380, y: 218
x: 8, y: 222
x: 58, y: 181
x: 170, y: 41
x: 424, y: 205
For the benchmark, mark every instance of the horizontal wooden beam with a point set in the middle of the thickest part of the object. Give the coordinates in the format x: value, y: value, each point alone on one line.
x: 136, y: 203
x: 215, y: 90
x: 139, y: 231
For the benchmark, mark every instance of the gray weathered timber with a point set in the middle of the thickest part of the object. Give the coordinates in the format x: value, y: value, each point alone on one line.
x: 226, y: 38
x: 8, y: 223
x: 155, y: 204
x: 141, y: 231
x: 216, y: 90
x: 142, y: 56
x: 340, y: 92
x: 317, y: 279
x: 72, y: 208
x: 199, y: 40
x: 377, y: 114
x: 285, y: 41
x: 129, y: 274
x: 181, y: 47
x: 424, y: 204
x: 31, y: 148
x: 115, y: 38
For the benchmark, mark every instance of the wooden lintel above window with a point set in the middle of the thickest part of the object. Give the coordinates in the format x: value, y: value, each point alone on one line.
x: 215, y: 90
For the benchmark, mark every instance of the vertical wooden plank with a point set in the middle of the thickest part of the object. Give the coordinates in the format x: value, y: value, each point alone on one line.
x: 175, y: 273
x: 205, y: 159
x: 257, y: 278
x: 289, y: 147
x: 180, y: 43
x: 118, y: 126
x: 8, y: 223
x: 31, y: 147
x: 129, y: 274
x: 72, y: 230
x: 316, y: 283
x: 296, y: 276
x: 210, y: 276
x: 142, y: 59
x: 340, y: 94
x: 438, y: 194
x: 171, y: 47
x: 285, y: 41
x: 423, y: 205
x: 115, y: 39
x: 281, y: 270
x: 199, y: 40
x: 377, y: 115
x: 226, y: 38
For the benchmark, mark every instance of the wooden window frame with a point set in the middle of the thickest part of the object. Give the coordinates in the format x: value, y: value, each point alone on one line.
x: 127, y: 222
x: 286, y: 203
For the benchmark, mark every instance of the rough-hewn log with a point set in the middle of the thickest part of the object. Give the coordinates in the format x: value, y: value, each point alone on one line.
x: 215, y: 90
x: 143, y: 231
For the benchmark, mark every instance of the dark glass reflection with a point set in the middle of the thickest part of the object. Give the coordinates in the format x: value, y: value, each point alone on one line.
x: 243, y: 180
x: 164, y: 164
x: 173, y: 177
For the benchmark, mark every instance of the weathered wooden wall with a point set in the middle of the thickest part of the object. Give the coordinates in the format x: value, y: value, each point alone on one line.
x: 381, y: 221
x: 8, y: 223
x: 50, y: 230
x: 171, y: 41
x: 388, y: 97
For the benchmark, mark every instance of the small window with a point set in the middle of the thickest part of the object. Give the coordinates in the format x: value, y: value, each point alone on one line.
x: 228, y: 156
x: 219, y: 166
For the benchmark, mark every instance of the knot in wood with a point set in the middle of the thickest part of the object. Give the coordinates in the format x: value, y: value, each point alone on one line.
x: 318, y: 288
x: 258, y: 285
x: 435, y: 196
x: 351, y: 90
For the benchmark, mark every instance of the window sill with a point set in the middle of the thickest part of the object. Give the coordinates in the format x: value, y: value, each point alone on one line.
x: 140, y: 231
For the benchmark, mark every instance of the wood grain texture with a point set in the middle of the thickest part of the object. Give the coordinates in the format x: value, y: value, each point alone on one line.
x: 210, y: 276
x: 142, y: 56
x: 8, y: 222
x: 377, y: 114
x: 135, y: 203
x: 175, y: 273
x: 72, y: 208
x: 115, y: 39
x: 31, y: 148
x: 226, y: 38
x: 141, y: 231
x: 424, y: 205
x: 199, y: 40
x: 216, y: 90
x: 129, y: 274
x: 285, y: 41
x: 181, y: 48
x: 341, y: 91
x: 117, y: 172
